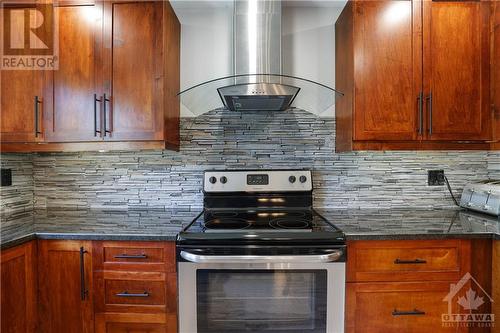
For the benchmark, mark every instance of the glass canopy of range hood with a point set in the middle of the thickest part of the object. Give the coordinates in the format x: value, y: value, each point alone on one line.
x: 313, y: 97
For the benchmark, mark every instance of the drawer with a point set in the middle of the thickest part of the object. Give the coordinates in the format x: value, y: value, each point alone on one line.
x: 407, y: 260
x: 133, y: 322
x: 134, y: 292
x: 135, y: 256
x: 152, y: 292
x: 398, y: 307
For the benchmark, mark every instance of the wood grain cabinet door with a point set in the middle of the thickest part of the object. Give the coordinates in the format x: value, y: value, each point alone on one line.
x: 135, y: 322
x: 133, y: 70
x: 18, y: 290
x: 495, y: 79
x: 72, y: 112
x: 19, y: 90
x: 65, y: 286
x: 387, y: 68
x: 456, y: 69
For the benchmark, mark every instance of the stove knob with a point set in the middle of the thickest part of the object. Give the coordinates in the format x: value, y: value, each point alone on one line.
x: 212, y: 180
x: 303, y: 179
x: 292, y: 179
x: 223, y: 179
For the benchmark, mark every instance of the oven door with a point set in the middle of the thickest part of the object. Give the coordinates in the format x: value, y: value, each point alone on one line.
x: 292, y: 294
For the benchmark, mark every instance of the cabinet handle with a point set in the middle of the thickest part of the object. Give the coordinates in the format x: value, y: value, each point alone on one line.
x: 83, y: 290
x: 403, y: 262
x: 420, y: 100
x: 429, y: 100
x: 131, y: 256
x: 37, y: 102
x: 95, y: 115
x: 127, y: 294
x: 415, y: 312
x: 105, y: 115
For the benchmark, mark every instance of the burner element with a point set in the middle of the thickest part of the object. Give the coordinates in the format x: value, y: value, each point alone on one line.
x: 289, y: 223
x: 227, y: 224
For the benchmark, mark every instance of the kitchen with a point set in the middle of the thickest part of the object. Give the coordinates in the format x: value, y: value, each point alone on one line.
x: 127, y: 208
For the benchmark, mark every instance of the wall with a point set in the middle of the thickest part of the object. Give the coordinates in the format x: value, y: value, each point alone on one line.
x: 494, y: 165
x: 224, y: 139
x: 19, y: 196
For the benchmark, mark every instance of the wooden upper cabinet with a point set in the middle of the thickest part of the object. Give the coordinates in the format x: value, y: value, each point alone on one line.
x: 415, y: 75
x: 387, y: 70
x: 19, y: 91
x: 495, y: 72
x: 65, y: 286
x: 72, y: 113
x: 456, y: 69
x: 133, y: 70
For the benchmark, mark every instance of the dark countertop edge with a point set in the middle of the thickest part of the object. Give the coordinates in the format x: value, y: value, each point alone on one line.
x: 84, y: 236
x: 423, y: 236
x: 173, y: 237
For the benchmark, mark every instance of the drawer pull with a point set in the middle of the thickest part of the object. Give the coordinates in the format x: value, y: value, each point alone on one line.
x: 127, y: 294
x: 415, y: 312
x: 131, y: 256
x: 405, y: 262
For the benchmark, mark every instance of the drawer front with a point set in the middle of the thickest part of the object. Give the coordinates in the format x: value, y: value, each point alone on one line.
x: 400, y: 307
x: 135, y: 256
x: 126, y: 255
x: 408, y: 260
x: 140, y: 292
x: 134, y: 292
x: 134, y: 322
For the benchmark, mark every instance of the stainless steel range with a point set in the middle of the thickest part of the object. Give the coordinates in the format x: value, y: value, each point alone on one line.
x: 260, y: 259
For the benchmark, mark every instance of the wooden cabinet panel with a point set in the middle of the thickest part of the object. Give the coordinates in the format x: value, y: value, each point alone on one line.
x: 135, y: 256
x: 407, y: 260
x: 456, y: 69
x: 18, y: 89
x: 63, y: 307
x: 495, y: 72
x: 387, y: 70
x: 136, y: 323
x: 70, y: 94
x: 133, y: 70
x: 398, y: 307
x: 19, y: 289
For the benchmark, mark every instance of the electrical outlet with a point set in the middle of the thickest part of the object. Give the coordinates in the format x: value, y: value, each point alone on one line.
x: 435, y: 178
x: 6, y: 177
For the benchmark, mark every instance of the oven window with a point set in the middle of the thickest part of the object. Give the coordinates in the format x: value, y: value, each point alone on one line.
x: 261, y: 301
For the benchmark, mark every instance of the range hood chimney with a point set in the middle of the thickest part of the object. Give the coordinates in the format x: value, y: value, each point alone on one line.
x: 257, y: 50
x: 257, y: 82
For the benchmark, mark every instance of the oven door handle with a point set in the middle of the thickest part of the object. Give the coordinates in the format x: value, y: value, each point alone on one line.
x: 245, y: 259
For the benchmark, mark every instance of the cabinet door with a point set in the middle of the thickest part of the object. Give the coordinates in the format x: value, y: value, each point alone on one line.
x: 387, y: 68
x: 18, y: 266
x: 18, y: 89
x: 133, y: 70
x: 72, y: 113
x: 65, y: 286
x: 496, y: 69
x: 456, y: 69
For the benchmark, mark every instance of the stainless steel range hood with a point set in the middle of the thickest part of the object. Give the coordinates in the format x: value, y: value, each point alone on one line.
x: 258, y: 83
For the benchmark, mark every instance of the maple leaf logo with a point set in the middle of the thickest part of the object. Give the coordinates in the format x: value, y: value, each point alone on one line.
x: 471, y: 301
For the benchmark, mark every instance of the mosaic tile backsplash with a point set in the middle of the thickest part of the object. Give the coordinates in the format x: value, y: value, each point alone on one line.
x: 224, y: 139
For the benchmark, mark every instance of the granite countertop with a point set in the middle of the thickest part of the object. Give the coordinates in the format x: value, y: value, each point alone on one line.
x: 159, y: 225
x: 131, y: 225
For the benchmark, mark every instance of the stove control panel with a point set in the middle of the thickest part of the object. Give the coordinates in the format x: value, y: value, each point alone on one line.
x: 257, y: 181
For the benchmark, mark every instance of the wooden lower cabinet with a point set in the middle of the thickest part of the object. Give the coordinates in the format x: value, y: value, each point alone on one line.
x: 18, y: 289
x: 65, y: 286
x: 397, y: 307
